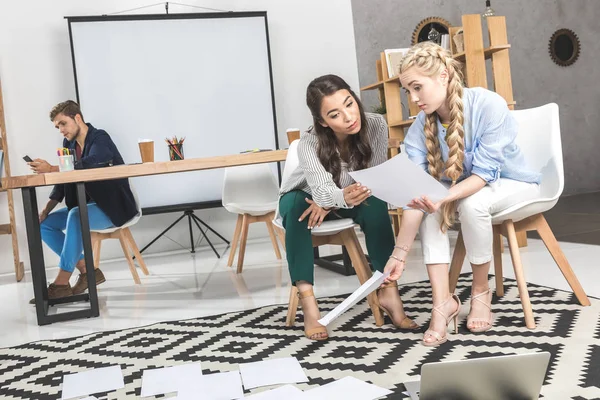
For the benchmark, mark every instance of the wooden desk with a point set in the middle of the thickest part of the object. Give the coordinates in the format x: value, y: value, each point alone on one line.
x: 29, y: 183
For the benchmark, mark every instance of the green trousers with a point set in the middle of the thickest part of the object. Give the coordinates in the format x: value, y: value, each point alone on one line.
x: 372, y: 216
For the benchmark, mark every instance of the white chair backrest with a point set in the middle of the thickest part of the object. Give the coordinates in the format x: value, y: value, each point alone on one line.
x: 539, y: 140
x: 291, y: 160
x: 137, y: 199
x: 250, y: 184
x: 291, y: 163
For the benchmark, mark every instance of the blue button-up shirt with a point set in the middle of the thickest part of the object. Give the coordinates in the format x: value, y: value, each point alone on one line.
x: 490, y: 148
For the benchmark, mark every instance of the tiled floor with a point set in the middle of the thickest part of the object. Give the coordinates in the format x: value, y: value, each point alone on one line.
x: 187, y: 286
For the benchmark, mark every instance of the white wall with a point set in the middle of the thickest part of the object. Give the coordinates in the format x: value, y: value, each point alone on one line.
x: 308, y: 38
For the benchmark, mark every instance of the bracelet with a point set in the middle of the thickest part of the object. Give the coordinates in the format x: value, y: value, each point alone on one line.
x: 397, y: 259
x: 402, y: 247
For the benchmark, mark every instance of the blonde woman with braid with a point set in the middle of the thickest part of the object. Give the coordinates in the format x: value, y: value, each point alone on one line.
x: 464, y: 137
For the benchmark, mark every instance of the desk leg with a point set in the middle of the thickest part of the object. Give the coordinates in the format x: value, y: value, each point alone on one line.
x: 36, y: 254
x: 87, y: 249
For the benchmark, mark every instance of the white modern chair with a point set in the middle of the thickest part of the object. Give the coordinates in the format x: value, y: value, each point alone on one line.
x: 539, y: 140
x: 337, y: 232
x: 125, y: 238
x: 250, y: 191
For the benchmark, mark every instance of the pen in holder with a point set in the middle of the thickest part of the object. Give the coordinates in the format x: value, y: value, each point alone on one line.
x: 175, y: 152
x: 65, y: 163
x: 175, y: 148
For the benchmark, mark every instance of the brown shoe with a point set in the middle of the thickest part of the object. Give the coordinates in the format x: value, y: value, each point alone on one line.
x: 82, y: 284
x: 56, y: 292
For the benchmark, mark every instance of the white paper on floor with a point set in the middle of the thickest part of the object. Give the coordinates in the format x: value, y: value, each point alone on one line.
x: 96, y: 380
x: 347, y: 388
x: 399, y: 180
x: 287, y: 392
x: 363, y: 291
x: 220, y: 386
x: 272, y: 372
x: 168, y: 379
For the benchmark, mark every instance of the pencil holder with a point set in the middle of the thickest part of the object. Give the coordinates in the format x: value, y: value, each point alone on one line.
x: 65, y: 163
x: 176, y: 152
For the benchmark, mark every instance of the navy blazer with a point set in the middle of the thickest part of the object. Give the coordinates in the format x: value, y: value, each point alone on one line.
x: 113, y: 197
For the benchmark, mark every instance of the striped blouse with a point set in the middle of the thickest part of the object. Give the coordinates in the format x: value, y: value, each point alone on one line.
x: 312, y: 178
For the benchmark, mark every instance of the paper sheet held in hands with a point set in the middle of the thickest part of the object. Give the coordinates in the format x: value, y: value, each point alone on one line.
x: 399, y: 180
x: 359, y: 294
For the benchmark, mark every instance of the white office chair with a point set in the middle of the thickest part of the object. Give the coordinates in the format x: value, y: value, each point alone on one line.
x: 337, y: 232
x: 250, y: 191
x: 539, y: 140
x: 125, y: 238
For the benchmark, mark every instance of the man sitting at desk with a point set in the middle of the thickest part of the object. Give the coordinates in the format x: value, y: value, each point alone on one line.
x: 110, y: 203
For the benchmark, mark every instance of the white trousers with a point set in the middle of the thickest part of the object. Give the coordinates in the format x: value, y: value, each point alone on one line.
x: 475, y: 216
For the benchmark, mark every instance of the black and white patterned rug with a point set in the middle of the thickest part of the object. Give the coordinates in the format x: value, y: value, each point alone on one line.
x: 383, y: 356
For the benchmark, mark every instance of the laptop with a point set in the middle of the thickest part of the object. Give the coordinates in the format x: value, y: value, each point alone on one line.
x: 512, y: 377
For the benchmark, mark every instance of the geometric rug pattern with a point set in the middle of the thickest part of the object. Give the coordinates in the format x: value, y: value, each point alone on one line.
x: 383, y: 356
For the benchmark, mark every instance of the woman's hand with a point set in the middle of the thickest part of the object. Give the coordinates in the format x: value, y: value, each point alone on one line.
x: 395, y: 267
x: 315, y: 214
x: 428, y: 206
x: 356, y: 194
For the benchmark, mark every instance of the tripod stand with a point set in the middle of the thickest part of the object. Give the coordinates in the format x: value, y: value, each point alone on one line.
x: 191, y: 217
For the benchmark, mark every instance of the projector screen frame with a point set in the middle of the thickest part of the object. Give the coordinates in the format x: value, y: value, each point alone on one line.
x: 209, y: 15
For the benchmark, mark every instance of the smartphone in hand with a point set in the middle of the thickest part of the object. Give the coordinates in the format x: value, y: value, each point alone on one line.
x: 28, y: 159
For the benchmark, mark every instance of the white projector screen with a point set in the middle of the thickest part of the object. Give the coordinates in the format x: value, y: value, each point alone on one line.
x: 205, y: 77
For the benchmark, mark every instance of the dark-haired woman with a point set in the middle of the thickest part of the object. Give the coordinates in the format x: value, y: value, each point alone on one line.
x: 343, y: 138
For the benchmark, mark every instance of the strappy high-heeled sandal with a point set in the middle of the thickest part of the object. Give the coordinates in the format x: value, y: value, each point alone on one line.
x: 406, y: 324
x: 454, y: 316
x: 489, y: 321
x: 309, y: 333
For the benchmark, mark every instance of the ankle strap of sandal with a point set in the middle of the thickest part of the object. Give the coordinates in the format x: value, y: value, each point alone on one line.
x: 477, y: 297
x: 437, y: 308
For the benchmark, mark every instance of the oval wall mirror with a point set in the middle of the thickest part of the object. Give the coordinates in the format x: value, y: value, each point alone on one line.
x: 564, y: 47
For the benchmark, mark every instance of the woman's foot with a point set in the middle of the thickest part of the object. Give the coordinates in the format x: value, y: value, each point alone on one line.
x: 310, y: 309
x: 442, y: 313
x: 391, y: 303
x: 480, y: 317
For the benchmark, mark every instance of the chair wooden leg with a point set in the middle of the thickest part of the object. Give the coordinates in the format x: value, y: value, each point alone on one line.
x: 513, y: 245
x: 96, y: 246
x: 559, y: 257
x: 292, y: 307
x: 522, y: 239
x: 136, y: 250
x: 281, y: 235
x: 126, y: 252
x: 244, y: 238
x: 458, y: 258
x: 498, y: 261
x: 236, y: 238
x: 270, y: 217
x: 360, y: 264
